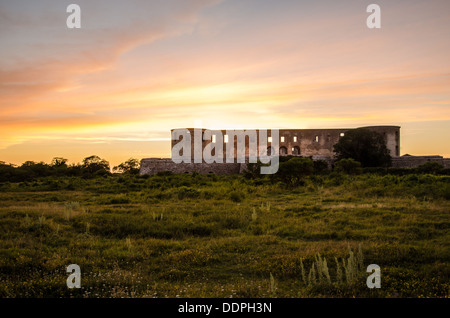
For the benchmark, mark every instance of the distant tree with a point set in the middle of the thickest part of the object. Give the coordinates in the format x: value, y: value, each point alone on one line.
x: 131, y: 166
x: 28, y: 163
x: 293, y: 171
x: 59, y: 162
x: 365, y: 146
x: 8, y: 172
x: 74, y: 170
x: 35, y: 169
x: 95, y: 164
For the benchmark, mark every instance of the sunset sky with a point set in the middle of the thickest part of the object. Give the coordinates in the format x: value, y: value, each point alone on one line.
x: 137, y: 69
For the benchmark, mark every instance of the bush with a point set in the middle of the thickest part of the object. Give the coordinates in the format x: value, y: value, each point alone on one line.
x: 164, y: 173
x: 320, y: 167
x: 185, y: 192
x: 430, y: 167
x: 119, y: 201
x: 236, y: 196
x: 293, y: 171
x: 400, y: 171
x: 348, y: 166
x: 376, y: 170
x: 253, y: 170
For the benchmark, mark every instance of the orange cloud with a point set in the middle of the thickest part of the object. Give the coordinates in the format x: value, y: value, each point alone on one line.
x: 165, y: 66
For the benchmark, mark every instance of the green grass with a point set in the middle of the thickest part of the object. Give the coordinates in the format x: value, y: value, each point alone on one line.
x: 225, y: 236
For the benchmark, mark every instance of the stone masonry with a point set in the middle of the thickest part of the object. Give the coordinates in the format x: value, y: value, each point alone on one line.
x: 315, y: 143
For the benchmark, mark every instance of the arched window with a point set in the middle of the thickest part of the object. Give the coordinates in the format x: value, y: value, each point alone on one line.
x: 283, y: 151
x: 296, y: 150
x: 270, y: 150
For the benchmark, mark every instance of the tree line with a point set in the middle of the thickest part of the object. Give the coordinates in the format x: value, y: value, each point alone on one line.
x: 91, y: 166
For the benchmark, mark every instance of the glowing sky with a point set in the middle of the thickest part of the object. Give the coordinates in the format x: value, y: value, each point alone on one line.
x: 136, y: 69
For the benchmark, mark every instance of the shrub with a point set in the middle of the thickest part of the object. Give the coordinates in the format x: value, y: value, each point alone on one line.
x: 376, y: 170
x: 253, y: 170
x: 164, y: 173
x: 236, y: 196
x: 348, y: 166
x: 430, y: 167
x: 185, y: 192
x: 320, y: 167
x: 119, y: 200
x: 400, y: 171
x: 293, y: 171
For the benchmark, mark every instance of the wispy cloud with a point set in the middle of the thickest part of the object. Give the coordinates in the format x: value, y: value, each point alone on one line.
x: 136, y: 69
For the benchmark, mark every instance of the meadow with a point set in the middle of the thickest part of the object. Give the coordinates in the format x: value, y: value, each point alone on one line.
x: 225, y: 236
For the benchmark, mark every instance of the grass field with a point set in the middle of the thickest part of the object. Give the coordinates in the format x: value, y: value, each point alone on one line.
x: 225, y: 236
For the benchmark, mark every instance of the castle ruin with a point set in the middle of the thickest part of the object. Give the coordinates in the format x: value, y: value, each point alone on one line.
x: 315, y: 143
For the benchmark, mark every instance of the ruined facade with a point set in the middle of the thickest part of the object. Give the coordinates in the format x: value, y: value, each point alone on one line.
x: 315, y: 143
x: 303, y: 142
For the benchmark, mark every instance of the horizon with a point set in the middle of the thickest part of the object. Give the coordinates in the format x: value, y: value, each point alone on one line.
x: 117, y: 86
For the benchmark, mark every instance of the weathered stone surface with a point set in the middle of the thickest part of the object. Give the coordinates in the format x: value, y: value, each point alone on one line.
x: 305, y: 142
x: 408, y: 161
x: 154, y: 165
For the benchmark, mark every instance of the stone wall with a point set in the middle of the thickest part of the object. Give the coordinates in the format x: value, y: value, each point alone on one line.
x: 415, y: 161
x: 152, y: 166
